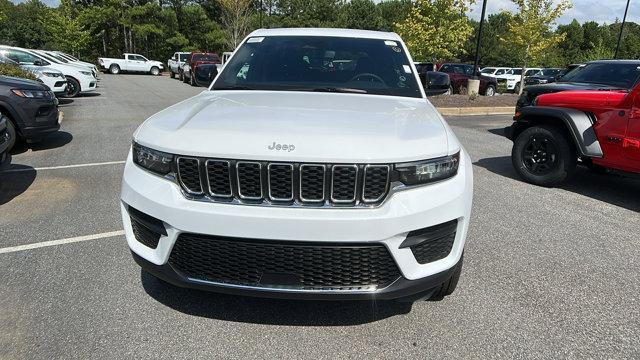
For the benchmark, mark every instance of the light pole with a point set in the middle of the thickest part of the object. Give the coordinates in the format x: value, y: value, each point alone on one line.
x: 477, y: 60
x: 624, y: 19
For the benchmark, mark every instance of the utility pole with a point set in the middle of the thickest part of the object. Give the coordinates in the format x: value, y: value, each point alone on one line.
x: 624, y: 19
x: 475, y: 64
x: 260, y: 14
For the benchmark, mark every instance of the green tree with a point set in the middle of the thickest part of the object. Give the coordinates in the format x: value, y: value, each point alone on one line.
x: 571, y: 46
x: 393, y: 12
x: 530, y: 32
x: 493, y: 52
x: 436, y: 28
x: 361, y: 14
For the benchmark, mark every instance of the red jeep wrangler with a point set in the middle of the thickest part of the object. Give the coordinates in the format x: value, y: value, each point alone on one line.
x: 592, y: 117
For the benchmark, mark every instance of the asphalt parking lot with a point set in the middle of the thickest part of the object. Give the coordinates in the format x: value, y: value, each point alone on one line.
x: 549, y: 273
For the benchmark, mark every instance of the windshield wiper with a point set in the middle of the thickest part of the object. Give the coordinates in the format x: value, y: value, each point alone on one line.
x: 339, y: 90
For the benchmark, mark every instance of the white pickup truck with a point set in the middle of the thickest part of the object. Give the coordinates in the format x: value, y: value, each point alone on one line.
x: 131, y: 63
x: 175, y: 63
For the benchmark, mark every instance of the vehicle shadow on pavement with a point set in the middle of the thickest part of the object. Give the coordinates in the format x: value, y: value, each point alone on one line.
x: 610, y: 188
x: 55, y: 140
x: 14, y: 181
x: 64, y: 101
x: 88, y: 95
x: 269, y: 311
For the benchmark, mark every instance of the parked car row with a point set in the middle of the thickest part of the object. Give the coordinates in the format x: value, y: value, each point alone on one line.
x: 195, y: 68
x: 62, y: 73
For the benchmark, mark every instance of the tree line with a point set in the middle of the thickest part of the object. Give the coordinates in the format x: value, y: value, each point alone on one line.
x: 435, y: 30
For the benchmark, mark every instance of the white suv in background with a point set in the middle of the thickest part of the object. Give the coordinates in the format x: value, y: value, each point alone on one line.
x: 513, y: 77
x: 314, y: 167
x: 494, y: 71
x: 53, y: 78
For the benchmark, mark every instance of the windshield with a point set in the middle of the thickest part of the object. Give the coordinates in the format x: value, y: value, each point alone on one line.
x: 488, y: 70
x: 618, y: 75
x: 58, y: 57
x: 318, y: 63
x: 184, y: 57
x: 551, y: 72
x: 457, y: 69
x: 515, y: 72
x: 205, y: 57
x: 48, y: 57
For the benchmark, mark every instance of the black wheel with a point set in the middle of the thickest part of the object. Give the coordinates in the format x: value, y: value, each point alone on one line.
x: 73, y: 87
x: 184, y: 78
x: 450, y: 91
x: 449, y: 286
x: 542, y: 156
x: 11, y: 129
x: 114, y: 69
x: 173, y: 75
x: 155, y: 71
x: 490, y: 91
x: 462, y: 90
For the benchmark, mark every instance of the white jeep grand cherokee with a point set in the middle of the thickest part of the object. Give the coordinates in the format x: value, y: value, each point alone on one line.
x: 313, y: 167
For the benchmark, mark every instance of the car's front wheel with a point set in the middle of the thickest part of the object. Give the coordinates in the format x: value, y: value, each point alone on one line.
x: 114, y: 69
x: 542, y: 155
x: 491, y: 91
x: 73, y: 87
x: 155, y: 71
x: 12, y: 132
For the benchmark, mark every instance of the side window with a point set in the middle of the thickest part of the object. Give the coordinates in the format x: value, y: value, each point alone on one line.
x: 468, y: 70
x: 21, y: 57
x: 500, y: 72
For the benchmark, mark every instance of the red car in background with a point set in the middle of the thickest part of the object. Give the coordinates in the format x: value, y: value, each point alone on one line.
x: 460, y: 75
x: 193, y: 60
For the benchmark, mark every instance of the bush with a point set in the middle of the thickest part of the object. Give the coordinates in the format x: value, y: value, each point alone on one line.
x: 16, y: 71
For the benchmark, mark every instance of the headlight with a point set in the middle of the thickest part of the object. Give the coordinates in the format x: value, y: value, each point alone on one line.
x: 423, y: 172
x: 155, y: 161
x: 86, y: 73
x: 33, y: 94
x: 52, y: 74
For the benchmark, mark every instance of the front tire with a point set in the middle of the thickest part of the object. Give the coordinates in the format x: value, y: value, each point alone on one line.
x: 73, y: 87
x: 490, y: 91
x: 155, y: 71
x: 11, y: 129
x: 114, y: 69
x: 173, y: 75
x: 542, y: 155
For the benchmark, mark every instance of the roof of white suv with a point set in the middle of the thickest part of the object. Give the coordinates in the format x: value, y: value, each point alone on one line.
x: 365, y: 34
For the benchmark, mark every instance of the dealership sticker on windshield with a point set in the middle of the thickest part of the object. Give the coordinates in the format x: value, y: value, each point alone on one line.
x: 390, y: 43
x: 255, y: 39
x: 407, y: 69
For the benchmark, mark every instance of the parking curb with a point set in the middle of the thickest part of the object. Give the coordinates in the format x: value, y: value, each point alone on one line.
x: 466, y: 111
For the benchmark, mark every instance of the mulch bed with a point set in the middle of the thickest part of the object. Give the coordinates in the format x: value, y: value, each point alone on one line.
x: 455, y: 101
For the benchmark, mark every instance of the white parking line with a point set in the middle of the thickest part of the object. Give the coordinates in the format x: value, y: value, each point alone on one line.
x: 65, y: 166
x: 61, y: 242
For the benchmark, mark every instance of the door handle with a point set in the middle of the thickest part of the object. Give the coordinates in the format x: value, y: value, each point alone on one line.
x: 614, y: 138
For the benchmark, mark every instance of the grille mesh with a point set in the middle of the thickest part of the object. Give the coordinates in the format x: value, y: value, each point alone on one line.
x: 281, y: 182
x: 260, y: 182
x: 249, y: 180
x: 219, y: 180
x: 189, y: 173
x: 343, y: 186
x: 433, y: 250
x: 145, y: 236
x: 283, y: 265
x: 376, y: 179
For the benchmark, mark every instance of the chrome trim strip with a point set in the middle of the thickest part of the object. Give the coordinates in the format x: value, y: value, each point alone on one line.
x: 364, y: 182
x: 201, y: 192
x: 355, y: 187
x: 370, y: 290
x: 206, y: 169
x: 238, y: 179
x: 324, y: 181
x: 269, y: 181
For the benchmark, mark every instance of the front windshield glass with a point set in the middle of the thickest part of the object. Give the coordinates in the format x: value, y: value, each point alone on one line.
x: 488, y: 71
x: 515, y: 72
x: 50, y: 58
x: 205, y: 57
x: 184, y: 57
x: 618, y: 75
x: 58, y: 57
x: 551, y: 72
x: 319, y: 63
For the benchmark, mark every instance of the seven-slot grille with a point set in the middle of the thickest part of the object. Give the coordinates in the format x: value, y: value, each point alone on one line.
x: 281, y: 183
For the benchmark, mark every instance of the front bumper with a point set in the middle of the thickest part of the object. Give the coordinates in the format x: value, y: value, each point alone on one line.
x: 388, y: 224
x: 88, y: 84
x: 36, y: 118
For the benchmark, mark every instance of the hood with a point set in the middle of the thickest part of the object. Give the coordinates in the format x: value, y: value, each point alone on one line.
x: 584, y: 98
x: 35, y: 69
x: 533, y: 91
x: 24, y: 84
x: 315, y: 127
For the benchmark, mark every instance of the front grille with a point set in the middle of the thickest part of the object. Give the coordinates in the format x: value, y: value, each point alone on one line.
x: 278, y: 264
x: 276, y: 183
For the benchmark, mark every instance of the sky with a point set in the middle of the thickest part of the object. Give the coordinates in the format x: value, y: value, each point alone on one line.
x: 602, y: 11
